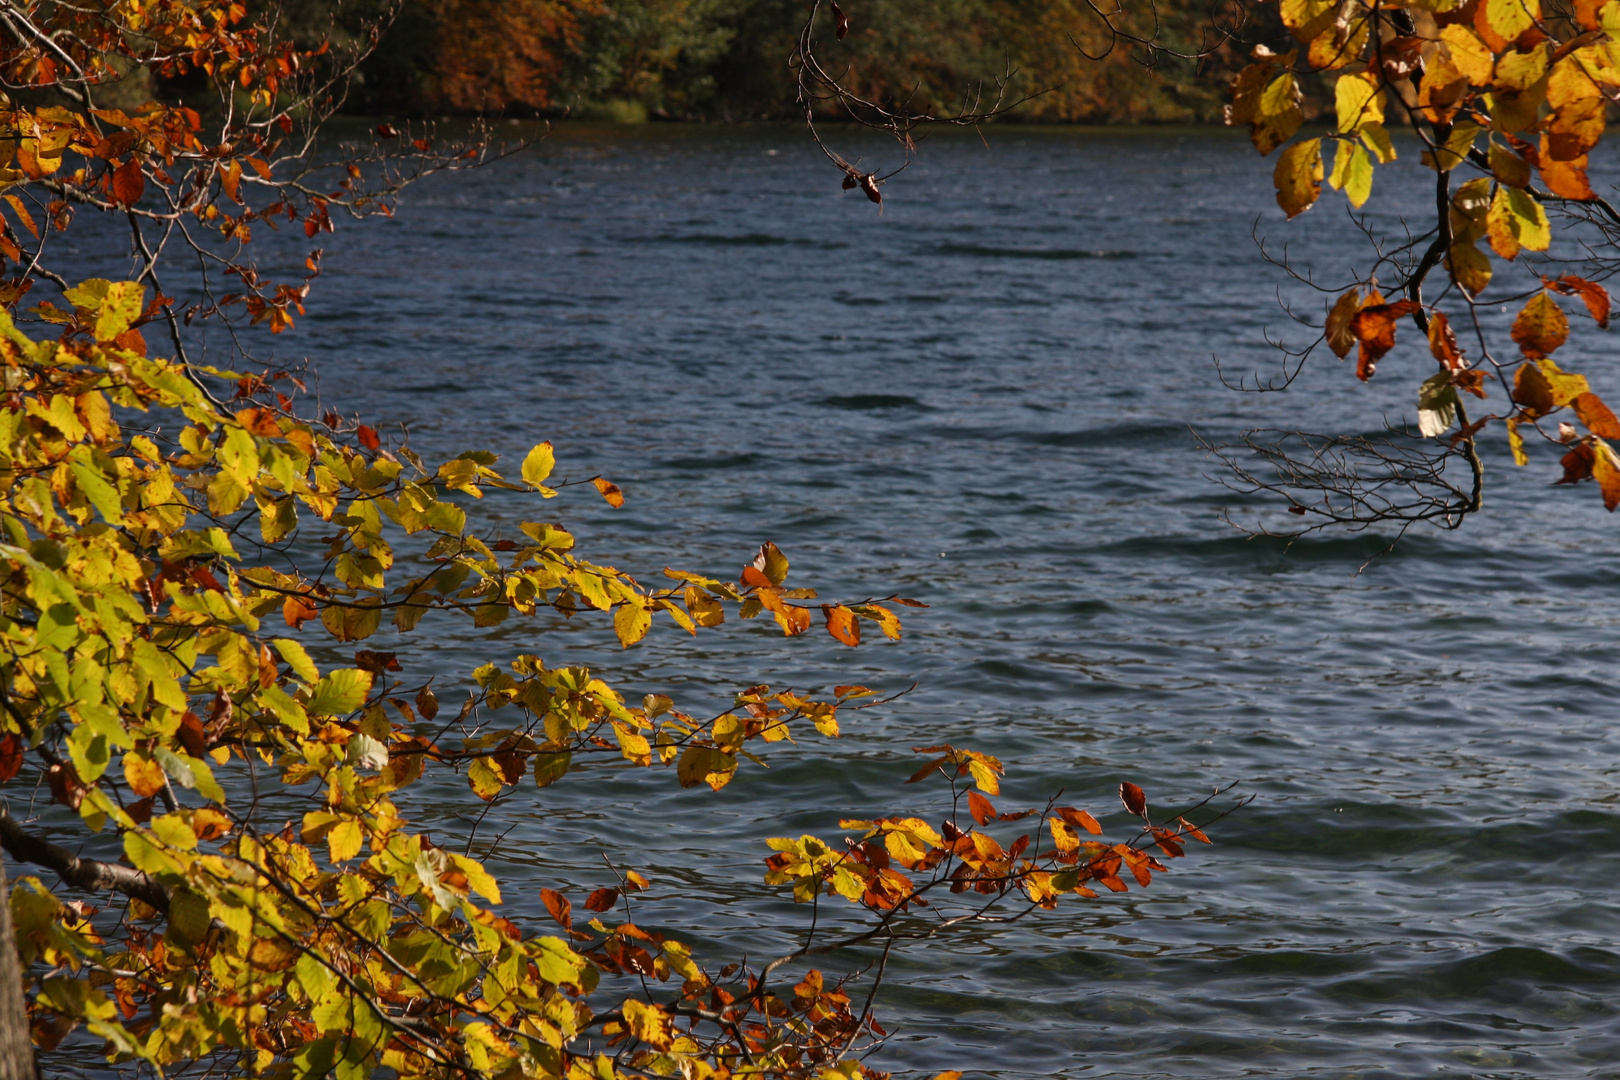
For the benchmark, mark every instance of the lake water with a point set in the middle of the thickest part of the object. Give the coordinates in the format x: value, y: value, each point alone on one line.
x: 982, y: 397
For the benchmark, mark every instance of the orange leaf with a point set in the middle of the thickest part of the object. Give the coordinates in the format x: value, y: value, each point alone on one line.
x: 368, y: 437
x: 610, y: 491
x: 1374, y: 327
x: 144, y: 775
x: 1595, y: 296
x: 841, y: 624
x: 1080, y: 818
x: 1597, y: 417
x: 298, y: 610
x: 981, y: 809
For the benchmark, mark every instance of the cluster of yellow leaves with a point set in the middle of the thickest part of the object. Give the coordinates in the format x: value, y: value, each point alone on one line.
x: 1496, y: 87
x: 141, y: 675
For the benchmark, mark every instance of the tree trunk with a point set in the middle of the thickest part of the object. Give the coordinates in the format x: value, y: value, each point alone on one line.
x: 16, y: 1048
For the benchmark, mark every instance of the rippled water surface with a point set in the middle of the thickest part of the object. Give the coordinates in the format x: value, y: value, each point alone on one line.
x: 982, y: 397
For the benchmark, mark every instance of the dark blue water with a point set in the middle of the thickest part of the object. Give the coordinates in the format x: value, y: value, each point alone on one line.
x: 982, y: 397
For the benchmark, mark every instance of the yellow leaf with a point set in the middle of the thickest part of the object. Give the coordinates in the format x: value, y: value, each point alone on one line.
x: 144, y: 775
x: 1298, y: 176
x: 485, y: 778
x: 1352, y: 173
x: 1516, y: 443
x: 1510, y: 18
x: 1359, y: 102
x: 630, y: 623
x: 343, y: 842
x: 1469, y: 54
x: 538, y: 465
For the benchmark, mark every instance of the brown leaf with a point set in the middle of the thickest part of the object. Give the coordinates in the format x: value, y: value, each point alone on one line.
x: 1532, y: 391
x: 376, y: 662
x: 1133, y: 798
x: 67, y: 789
x: 981, y: 809
x: 192, y: 736
x: 840, y: 22
x: 1340, y: 338
x: 1597, y: 417
x: 1541, y: 326
x: 128, y: 182
x: 602, y: 899
x: 1443, y: 342
x: 559, y: 907
x: 1374, y: 327
x: 427, y: 703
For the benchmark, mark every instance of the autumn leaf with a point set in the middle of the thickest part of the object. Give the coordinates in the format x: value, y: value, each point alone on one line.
x: 1340, y: 336
x: 610, y: 491
x: 842, y: 624
x: 1606, y: 471
x: 1541, y: 326
x: 1593, y: 295
x: 1134, y: 800
x: 128, y: 183
x: 981, y: 809
x: 1374, y: 328
x: 1443, y: 342
x: 11, y: 755
x: 602, y: 900
x: 1298, y: 177
x: 1596, y: 416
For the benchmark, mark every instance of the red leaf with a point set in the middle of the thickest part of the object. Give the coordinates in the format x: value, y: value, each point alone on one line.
x: 602, y: 899
x: 368, y: 437
x: 128, y: 182
x: 387, y: 131
x: 1134, y: 800
x: 11, y: 755
x: 1577, y: 464
x: 980, y: 807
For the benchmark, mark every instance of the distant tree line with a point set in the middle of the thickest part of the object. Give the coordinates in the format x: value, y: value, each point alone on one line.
x: 726, y: 60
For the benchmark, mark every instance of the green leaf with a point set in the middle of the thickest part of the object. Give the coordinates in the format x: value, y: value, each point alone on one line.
x: 1437, y: 405
x: 340, y: 692
x: 549, y: 767
x: 297, y: 659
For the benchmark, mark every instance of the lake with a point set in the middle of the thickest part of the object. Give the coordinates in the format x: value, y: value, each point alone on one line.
x: 984, y: 396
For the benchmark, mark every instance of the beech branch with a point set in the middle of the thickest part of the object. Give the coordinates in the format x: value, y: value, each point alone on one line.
x: 90, y: 874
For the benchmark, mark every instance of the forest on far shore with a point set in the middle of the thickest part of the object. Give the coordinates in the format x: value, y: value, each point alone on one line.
x: 726, y: 60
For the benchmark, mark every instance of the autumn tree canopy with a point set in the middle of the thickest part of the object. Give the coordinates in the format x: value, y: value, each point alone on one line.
x: 183, y: 540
